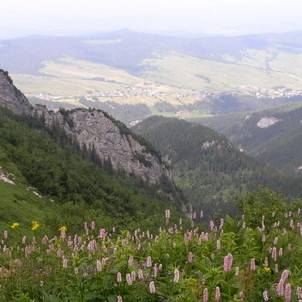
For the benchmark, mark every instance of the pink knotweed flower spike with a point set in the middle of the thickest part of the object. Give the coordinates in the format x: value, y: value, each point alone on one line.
x: 228, y: 262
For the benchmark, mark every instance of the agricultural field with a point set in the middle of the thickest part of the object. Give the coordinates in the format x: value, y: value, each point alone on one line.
x: 69, y: 79
x: 264, y: 69
x: 130, y: 68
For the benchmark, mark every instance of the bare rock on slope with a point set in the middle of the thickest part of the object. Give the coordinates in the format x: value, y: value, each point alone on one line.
x: 93, y: 130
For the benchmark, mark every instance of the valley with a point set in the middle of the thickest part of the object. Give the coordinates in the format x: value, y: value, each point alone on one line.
x: 171, y: 76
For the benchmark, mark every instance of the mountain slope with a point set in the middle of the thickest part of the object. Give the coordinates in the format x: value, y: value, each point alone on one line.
x: 127, y: 49
x: 90, y: 165
x: 94, y: 131
x: 59, y: 171
x: 207, y: 167
x: 274, y: 136
x: 12, y: 98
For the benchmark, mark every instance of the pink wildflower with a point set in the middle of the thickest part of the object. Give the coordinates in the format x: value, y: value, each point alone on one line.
x: 140, y: 274
x: 129, y: 279
x: 65, y: 262
x: 265, y: 295
x: 190, y: 257
x: 118, y: 277
x: 285, y: 274
x: 299, y: 292
x: 176, y: 276
x: 280, y: 288
x: 205, y: 295
x: 119, y: 299
x: 102, y: 233
x: 130, y: 261
x: 253, y: 264
x: 149, y: 261
x: 98, y: 266
x: 152, y: 288
x: 217, y: 294
x: 44, y: 240
x: 155, y: 270
x: 288, y: 293
x: 228, y: 262
x: 274, y: 253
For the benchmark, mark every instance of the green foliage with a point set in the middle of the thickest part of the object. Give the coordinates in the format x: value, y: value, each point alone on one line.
x: 279, y: 144
x: 56, y: 169
x: 63, y: 266
x: 208, y: 168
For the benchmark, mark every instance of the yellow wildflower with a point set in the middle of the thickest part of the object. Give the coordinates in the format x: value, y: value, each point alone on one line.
x: 35, y: 225
x: 63, y: 229
x: 15, y: 225
x: 266, y: 269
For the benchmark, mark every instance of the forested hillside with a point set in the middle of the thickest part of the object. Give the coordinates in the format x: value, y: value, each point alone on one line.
x: 76, y: 182
x: 209, y: 169
x: 273, y: 135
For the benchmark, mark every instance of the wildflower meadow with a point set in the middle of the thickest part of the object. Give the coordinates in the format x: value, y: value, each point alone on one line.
x: 255, y: 257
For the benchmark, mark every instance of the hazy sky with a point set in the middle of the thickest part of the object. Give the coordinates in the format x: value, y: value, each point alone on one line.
x: 26, y: 17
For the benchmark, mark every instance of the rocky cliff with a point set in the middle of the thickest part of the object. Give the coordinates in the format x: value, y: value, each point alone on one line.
x: 93, y: 130
x: 12, y: 98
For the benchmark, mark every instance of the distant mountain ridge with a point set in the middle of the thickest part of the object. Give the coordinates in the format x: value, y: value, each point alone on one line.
x: 133, y: 75
x: 127, y: 49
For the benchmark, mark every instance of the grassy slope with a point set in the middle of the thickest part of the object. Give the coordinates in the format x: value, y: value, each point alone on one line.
x: 251, y: 70
x: 20, y: 205
x: 72, y: 78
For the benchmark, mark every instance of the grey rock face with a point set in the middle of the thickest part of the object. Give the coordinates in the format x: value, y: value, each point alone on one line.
x: 10, y: 97
x: 95, y: 131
